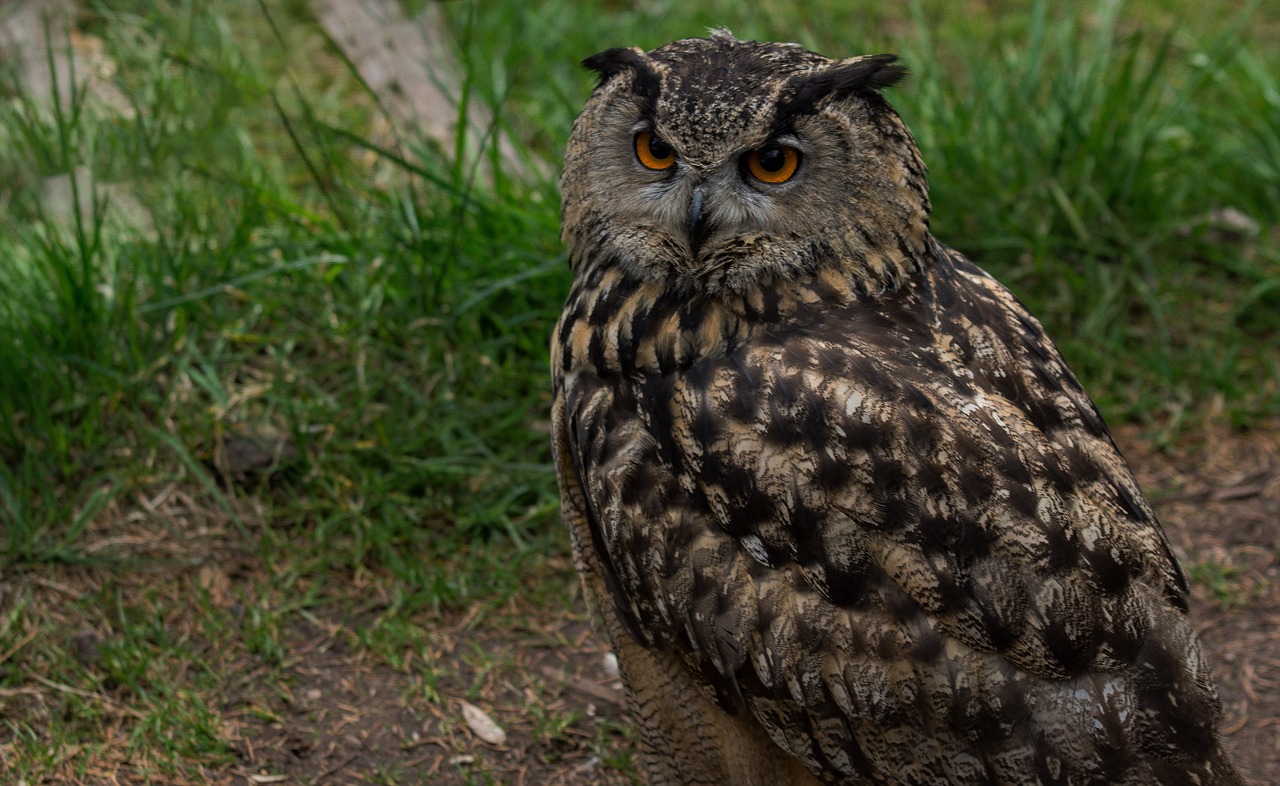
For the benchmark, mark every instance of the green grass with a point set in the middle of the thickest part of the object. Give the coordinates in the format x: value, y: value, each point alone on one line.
x: 258, y: 255
x: 397, y: 336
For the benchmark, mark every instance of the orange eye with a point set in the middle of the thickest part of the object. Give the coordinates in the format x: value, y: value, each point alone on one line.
x: 653, y: 152
x: 774, y: 164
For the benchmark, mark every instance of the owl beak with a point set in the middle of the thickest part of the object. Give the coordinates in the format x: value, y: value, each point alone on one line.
x: 698, y: 226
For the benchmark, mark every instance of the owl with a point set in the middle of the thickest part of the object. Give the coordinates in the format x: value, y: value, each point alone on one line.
x: 843, y: 511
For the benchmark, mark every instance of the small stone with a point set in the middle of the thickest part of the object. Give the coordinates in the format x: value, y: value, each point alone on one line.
x: 84, y: 647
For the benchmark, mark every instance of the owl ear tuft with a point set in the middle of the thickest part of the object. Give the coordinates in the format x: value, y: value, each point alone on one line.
x: 842, y: 78
x: 612, y: 62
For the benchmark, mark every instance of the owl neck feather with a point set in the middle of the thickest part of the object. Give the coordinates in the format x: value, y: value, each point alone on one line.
x: 618, y: 323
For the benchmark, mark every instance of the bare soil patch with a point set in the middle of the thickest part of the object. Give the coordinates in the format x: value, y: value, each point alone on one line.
x: 346, y: 716
x: 1219, y: 501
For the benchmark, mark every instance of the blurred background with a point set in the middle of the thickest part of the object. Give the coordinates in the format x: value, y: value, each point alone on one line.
x: 277, y: 280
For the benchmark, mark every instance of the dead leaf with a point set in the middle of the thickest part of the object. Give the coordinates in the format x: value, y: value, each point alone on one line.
x: 484, y: 727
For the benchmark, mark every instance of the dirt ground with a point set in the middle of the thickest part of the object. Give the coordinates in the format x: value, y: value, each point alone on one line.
x: 1220, y: 505
x: 525, y: 695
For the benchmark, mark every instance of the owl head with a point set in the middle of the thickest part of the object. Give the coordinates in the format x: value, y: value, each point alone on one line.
x: 717, y: 165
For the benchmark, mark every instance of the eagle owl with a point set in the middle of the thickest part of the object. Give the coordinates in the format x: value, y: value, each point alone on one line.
x: 845, y: 514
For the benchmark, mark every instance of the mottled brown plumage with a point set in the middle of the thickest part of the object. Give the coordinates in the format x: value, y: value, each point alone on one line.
x: 846, y: 515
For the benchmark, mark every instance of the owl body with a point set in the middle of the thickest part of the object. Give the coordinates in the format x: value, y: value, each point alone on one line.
x: 844, y: 512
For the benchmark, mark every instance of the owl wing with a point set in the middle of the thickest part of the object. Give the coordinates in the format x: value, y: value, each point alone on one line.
x: 896, y: 531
